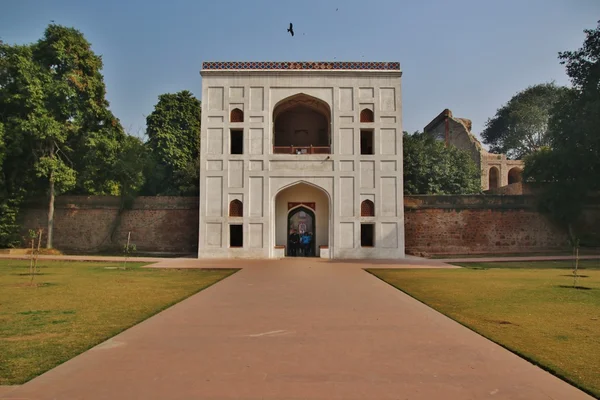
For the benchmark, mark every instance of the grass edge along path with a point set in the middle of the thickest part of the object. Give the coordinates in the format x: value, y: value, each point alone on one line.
x: 380, y: 274
x: 43, y: 327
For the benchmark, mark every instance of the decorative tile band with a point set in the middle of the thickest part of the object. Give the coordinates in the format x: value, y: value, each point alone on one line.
x: 302, y: 65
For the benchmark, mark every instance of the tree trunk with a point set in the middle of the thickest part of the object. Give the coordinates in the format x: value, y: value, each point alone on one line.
x: 50, y: 212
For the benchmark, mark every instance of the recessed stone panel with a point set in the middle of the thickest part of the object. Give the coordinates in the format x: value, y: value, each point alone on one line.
x: 236, y: 92
x: 387, y: 99
x: 346, y: 99
x: 387, y: 120
x: 388, y: 197
x: 347, y: 166
x: 387, y: 141
x: 236, y: 174
x: 365, y: 92
x: 257, y: 98
x: 215, y: 140
x: 214, y: 165
x: 346, y: 197
x: 256, y: 165
x: 348, y: 119
x: 214, y: 234
x: 215, y: 119
x: 215, y: 99
x: 255, y: 236
x: 388, y: 165
x: 346, y: 141
x: 367, y: 174
x: 256, y: 119
x: 256, y: 141
x: 214, y: 197
x: 346, y: 233
x: 389, y: 235
x: 256, y: 196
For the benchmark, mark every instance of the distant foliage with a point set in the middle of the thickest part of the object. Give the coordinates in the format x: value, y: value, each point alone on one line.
x: 570, y: 165
x: 57, y: 133
x: 520, y: 127
x: 173, y: 131
x: 432, y: 168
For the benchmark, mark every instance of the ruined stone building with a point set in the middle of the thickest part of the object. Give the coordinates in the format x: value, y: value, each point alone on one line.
x: 496, y: 169
x: 301, y: 148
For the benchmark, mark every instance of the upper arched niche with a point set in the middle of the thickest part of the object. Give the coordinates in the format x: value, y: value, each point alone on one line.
x: 366, y: 115
x: 236, y: 115
x: 302, y: 125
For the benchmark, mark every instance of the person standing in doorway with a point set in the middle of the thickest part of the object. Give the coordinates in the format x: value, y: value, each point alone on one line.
x: 294, y: 243
x: 305, y: 240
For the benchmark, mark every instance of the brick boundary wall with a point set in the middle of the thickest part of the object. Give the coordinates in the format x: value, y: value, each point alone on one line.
x: 433, y: 224
x: 478, y: 224
x: 90, y: 224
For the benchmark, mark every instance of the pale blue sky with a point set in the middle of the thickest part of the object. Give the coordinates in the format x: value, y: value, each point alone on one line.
x: 467, y: 55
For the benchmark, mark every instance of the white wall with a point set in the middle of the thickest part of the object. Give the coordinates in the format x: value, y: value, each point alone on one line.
x: 256, y: 176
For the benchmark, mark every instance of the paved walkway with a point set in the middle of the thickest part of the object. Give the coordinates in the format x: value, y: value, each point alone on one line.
x: 297, y: 329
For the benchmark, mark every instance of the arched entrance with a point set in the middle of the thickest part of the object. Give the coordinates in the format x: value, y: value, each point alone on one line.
x: 494, y: 181
x: 514, y: 175
x: 301, y: 125
x: 302, y: 207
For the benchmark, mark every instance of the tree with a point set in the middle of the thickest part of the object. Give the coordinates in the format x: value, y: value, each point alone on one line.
x: 173, y: 131
x: 432, y: 168
x: 53, y: 106
x: 520, y: 127
x: 570, y: 166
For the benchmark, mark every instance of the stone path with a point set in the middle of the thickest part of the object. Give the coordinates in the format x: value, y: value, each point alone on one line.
x: 297, y: 329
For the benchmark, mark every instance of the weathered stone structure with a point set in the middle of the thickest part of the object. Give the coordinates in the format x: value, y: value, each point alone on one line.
x: 496, y: 170
x: 308, y: 147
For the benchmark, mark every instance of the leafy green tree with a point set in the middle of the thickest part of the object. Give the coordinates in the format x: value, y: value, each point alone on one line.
x: 520, y: 127
x: 570, y: 166
x: 173, y: 131
x: 432, y: 168
x: 53, y: 106
x: 128, y: 169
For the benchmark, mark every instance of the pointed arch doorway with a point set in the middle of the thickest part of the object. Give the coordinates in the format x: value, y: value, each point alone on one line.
x: 302, y: 206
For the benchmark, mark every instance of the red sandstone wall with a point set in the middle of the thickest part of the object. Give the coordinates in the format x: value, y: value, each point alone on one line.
x: 165, y: 224
x: 433, y: 224
x: 477, y: 224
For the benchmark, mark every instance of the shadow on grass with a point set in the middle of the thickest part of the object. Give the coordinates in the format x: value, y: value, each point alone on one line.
x: 575, y: 287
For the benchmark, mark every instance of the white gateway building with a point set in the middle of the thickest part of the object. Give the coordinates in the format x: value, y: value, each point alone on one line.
x: 301, y: 159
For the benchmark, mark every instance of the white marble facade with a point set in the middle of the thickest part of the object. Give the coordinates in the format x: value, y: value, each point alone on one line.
x: 298, y: 146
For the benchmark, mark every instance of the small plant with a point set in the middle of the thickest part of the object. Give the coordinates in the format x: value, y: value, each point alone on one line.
x: 575, y: 243
x: 33, y: 235
x: 128, y: 249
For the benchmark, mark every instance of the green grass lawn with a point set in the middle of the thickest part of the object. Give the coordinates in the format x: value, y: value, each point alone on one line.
x: 529, y: 308
x: 76, y: 305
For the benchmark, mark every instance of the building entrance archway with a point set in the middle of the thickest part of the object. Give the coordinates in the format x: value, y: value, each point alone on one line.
x: 302, y: 207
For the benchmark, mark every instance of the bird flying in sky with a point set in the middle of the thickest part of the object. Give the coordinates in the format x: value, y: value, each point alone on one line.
x: 291, y: 29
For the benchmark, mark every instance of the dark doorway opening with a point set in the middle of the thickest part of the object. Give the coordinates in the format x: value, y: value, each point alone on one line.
x: 366, y: 142
x: 301, y: 233
x: 236, y: 236
x: 237, y: 142
x: 367, y: 235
